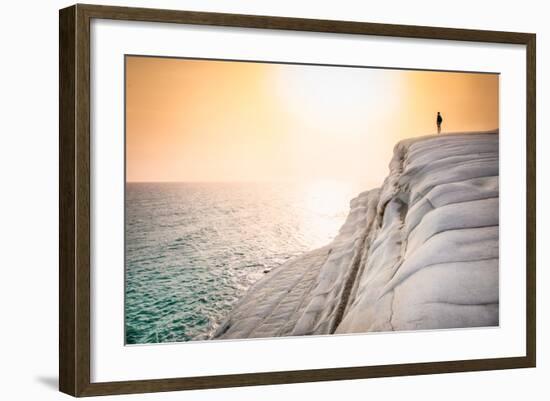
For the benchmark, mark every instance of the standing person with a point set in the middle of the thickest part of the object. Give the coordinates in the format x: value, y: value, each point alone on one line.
x: 439, y: 120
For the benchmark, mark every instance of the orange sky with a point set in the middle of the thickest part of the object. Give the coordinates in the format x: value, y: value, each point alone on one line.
x: 198, y: 120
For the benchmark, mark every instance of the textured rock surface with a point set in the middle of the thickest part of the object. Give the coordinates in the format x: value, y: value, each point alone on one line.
x: 421, y: 252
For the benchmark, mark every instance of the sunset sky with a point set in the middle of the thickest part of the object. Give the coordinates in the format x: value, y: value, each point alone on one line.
x: 199, y: 120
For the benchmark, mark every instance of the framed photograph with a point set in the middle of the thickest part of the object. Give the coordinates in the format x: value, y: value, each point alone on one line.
x: 250, y: 200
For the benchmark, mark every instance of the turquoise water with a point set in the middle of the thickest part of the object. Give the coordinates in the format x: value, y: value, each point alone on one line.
x: 193, y: 249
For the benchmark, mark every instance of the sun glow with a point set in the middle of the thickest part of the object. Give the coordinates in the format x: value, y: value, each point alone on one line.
x: 222, y: 121
x: 343, y: 96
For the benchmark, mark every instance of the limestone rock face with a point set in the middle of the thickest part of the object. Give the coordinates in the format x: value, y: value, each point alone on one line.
x: 421, y: 252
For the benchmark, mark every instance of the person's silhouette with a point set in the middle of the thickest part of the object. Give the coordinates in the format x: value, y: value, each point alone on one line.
x: 439, y: 120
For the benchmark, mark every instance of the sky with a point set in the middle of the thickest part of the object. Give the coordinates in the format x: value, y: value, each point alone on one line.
x: 226, y: 121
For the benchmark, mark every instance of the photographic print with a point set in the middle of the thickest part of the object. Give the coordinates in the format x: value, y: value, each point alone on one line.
x: 269, y: 199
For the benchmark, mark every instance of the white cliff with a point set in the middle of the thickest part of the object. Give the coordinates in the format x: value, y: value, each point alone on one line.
x: 421, y: 252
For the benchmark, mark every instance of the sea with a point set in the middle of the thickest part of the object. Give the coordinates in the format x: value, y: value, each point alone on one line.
x: 192, y: 250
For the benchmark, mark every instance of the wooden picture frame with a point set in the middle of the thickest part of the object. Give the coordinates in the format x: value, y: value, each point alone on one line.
x: 74, y: 199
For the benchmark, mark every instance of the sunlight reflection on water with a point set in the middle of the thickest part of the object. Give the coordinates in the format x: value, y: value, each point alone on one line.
x: 193, y: 249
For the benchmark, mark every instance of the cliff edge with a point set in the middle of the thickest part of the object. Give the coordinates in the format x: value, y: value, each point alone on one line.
x: 421, y: 252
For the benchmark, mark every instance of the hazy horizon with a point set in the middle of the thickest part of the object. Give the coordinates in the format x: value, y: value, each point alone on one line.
x: 232, y: 122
